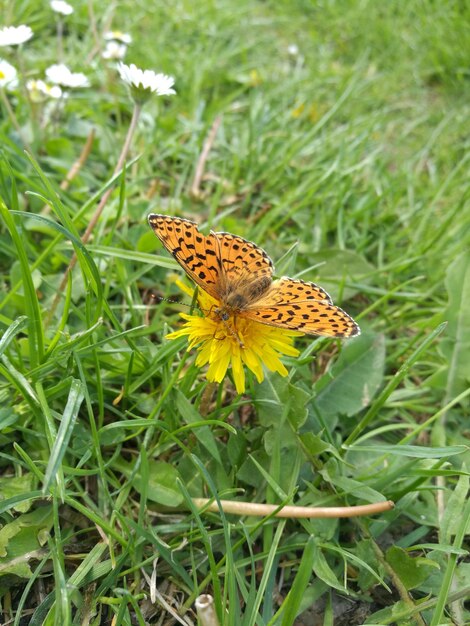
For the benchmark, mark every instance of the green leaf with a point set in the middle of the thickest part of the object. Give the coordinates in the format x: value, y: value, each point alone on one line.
x: 8, y: 417
x: 162, y: 484
x: 314, y: 445
x: 16, y: 485
x: 86, y: 261
x: 203, y: 433
x: 397, y: 614
x: 354, y: 379
x: 282, y: 408
x: 446, y: 548
x: 22, y: 538
x: 248, y: 472
x: 418, y: 452
x: 332, y: 474
x: 35, y: 327
x: 451, y: 519
x: 277, y: 399
x: 292, y: 603
x: 364, y: 549
x: 11, y: 332
x: 67, y: 423
x: 455, y: 345
x: 393, y: 383
x: 412, y: 571
x: 323, y: 570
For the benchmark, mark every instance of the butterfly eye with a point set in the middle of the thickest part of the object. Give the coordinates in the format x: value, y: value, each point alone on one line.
x: 224, y: 316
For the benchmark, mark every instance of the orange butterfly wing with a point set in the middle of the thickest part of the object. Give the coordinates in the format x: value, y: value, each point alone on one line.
x: 301, y: 306
x: 241, y: 258
x: 219, y: 262
x: 197, y: 254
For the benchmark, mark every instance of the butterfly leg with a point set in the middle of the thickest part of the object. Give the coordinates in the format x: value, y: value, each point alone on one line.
x: 232, y: 332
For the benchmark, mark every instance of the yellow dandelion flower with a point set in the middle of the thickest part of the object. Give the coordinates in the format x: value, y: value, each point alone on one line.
x: 235, y: 343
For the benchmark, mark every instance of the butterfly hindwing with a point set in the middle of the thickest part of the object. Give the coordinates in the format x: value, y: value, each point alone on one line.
x: 320, y: 318
x: 301, y: 306
x: 295, y: 290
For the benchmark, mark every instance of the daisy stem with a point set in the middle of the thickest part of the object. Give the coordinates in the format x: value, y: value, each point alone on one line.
x: 60, y: 44
x: 14, y: 121
x: 99, y: 209
x: 55, y: 113
x: 35, y: 123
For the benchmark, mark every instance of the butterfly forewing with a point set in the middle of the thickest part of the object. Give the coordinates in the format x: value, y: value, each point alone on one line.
x: 242, y: 258
x: 197, y: 254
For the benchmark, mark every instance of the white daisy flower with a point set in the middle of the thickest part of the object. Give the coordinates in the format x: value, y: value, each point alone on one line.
x: 293, y: 49
x: 114, y: 50
x: 145, y: 82
x: 59, y: 74
x: 39, y: 90
x: 8, y: 75
x: 59, y: 6
x: 15, y: 35
x: 117, y: 35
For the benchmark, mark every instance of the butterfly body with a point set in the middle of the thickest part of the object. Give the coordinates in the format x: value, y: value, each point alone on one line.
x: 238, y: 295
x: 239, y: 275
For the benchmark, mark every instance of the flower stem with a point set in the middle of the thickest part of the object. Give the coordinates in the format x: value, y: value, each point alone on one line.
x: 99, y: 209
x: 297, y: 512
x: 206, y: 398
x: 60, y: 43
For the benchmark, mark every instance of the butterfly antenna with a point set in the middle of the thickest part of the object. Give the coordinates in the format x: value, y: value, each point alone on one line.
x: 170, y: 300
x: 193, y: 304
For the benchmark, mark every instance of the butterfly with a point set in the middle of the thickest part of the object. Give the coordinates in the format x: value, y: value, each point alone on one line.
x: 239, y: 275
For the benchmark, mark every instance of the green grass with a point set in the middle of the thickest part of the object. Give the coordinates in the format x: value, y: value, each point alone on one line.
x: 349, y: 164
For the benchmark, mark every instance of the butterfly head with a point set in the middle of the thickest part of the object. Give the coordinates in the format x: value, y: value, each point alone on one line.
x: 223, y: 314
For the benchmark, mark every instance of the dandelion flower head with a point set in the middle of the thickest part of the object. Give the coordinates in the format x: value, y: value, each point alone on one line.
x: 235, y: 343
